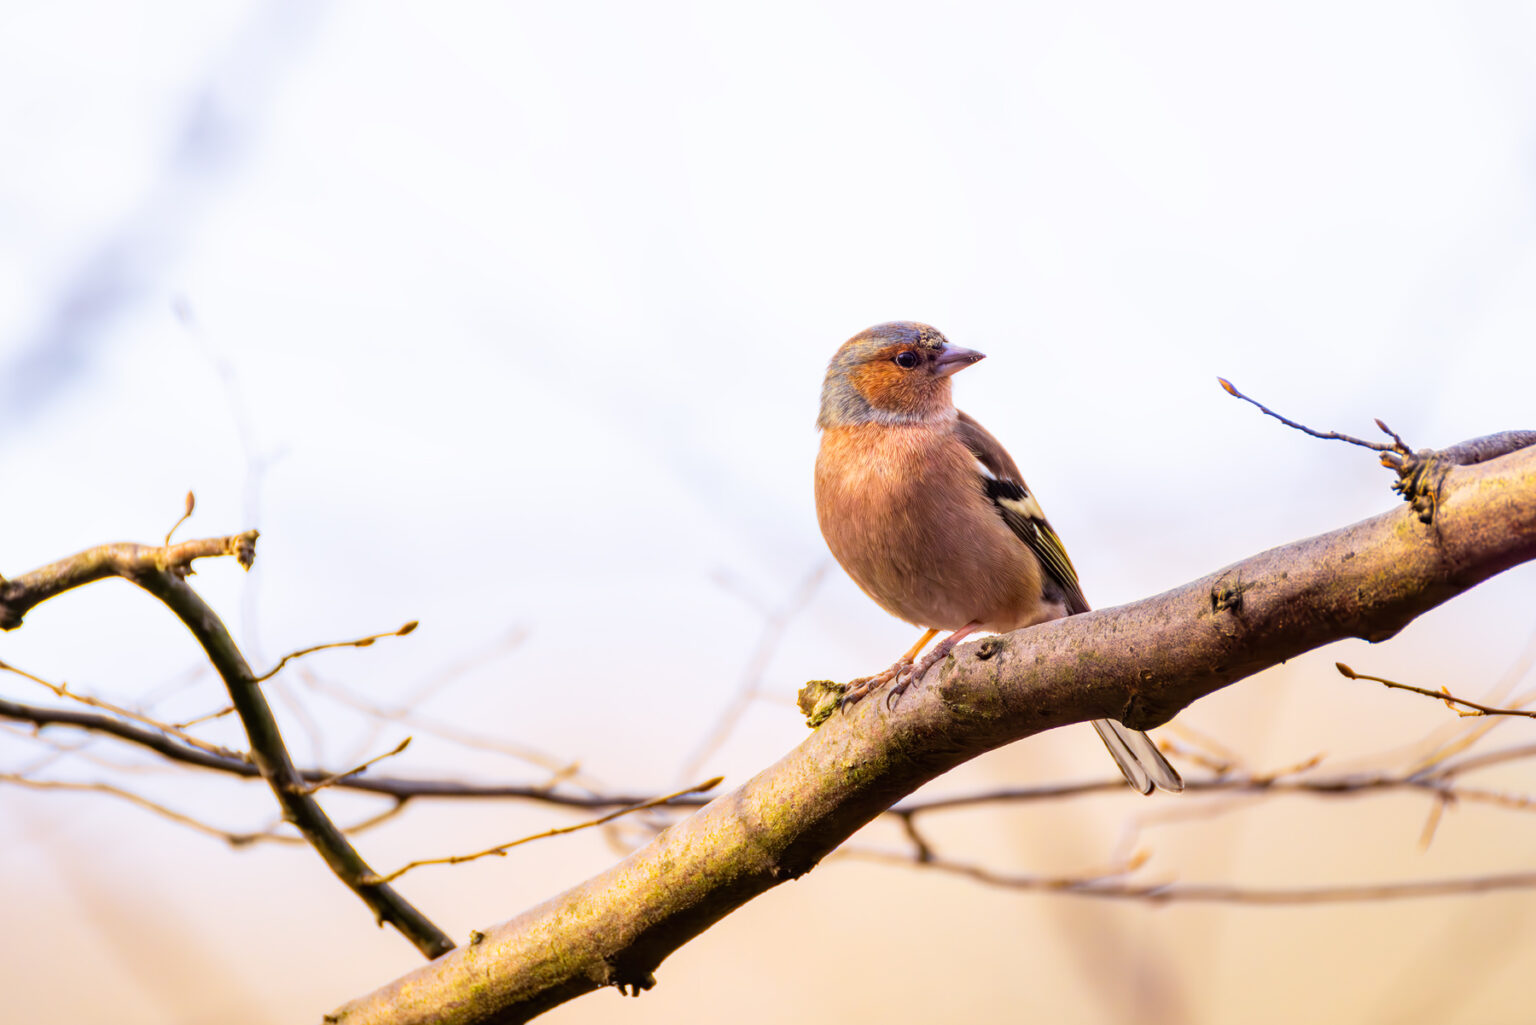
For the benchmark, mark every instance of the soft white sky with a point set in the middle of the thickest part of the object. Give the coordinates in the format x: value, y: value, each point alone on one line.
x: 515, y: 315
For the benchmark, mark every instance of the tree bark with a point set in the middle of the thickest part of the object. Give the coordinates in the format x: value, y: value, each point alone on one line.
x: 1139, y: 663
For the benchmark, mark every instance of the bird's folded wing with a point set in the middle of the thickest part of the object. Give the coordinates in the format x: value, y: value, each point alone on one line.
x: 1006, y: 488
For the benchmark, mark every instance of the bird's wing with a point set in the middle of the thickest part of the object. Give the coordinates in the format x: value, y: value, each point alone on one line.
x: 1006, y: 488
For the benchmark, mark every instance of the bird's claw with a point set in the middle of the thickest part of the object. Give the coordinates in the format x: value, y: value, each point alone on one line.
x: 904, y: 679
x: 867, y: 684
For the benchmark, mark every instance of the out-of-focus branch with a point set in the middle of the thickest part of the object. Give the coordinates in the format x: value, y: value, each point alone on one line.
x: 406, y: 789
x: 388, y: 786
x: 1111, y: 888
x: 62, y: 690
x: 501, y: 849
x: 335, y: 778
x: 1149, y: 659
x: 162, y: 571
x: 234, y: 839
x: 139, y: 800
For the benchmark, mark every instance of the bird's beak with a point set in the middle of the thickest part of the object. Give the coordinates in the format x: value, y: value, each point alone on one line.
x: 954, y: 358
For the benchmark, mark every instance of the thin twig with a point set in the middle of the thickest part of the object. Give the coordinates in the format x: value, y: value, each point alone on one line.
x: 1476, y: 709
x: 62, y: 690
x: 321, y: 784
x: 921, y: 849
x: 1172, y: 892
x: 1375, y: 446
x: 1432, y: 823
x: 208, y: 717
x: 500, y: 850
x: 233, y: 839
x: 1472, y: 763
x: 361, y: 642
x: 191, y: 504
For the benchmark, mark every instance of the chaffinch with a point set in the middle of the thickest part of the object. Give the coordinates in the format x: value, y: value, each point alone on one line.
x: 930, y: 517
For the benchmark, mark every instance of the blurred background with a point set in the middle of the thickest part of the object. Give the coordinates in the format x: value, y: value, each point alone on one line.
x: 511, y: 318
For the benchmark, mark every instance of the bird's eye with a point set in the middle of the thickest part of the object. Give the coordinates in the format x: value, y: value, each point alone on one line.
x: 906, y: 359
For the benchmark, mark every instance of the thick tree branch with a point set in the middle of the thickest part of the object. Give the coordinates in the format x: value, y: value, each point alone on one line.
x: 1139, y: 663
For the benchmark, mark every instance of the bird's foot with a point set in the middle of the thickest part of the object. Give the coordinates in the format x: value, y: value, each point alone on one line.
x: 856, y: 689
x: 910, y: 674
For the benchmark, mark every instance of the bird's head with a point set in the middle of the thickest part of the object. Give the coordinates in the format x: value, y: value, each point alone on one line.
x: 891, y: 373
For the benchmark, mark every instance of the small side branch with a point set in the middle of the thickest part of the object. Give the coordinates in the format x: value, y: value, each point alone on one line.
x: 20, y: 595
x: 361, y: 642
x: 1468, y: 708
x: 1397, y: 445
x: 1420, y: 475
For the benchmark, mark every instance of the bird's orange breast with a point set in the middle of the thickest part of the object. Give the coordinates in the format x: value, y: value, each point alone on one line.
x: 903, y: 510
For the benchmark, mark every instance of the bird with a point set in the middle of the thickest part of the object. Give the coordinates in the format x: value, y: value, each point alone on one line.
x: 929, y: 515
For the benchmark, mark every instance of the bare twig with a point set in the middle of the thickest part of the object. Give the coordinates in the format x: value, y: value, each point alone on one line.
x: 62, y: 690
x: 1174, y: 892
x: 1451, y: 701
x: 234, y: 839
x: 321, y: 784
x: 1432, y: 822
x: 500, y: 850
x: 1472, y: 763
x: 921, y: 850
x: 207, y: 717
x: 180, y: 818
x: 361, y: 642
x: 1375, y: 446
x: 191, y: 504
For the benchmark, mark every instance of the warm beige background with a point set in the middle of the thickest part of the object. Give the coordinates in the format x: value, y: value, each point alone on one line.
x: 512, y: 318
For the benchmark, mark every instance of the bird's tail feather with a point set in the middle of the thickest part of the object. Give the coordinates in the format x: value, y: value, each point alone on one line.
x: 1138, y: 757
